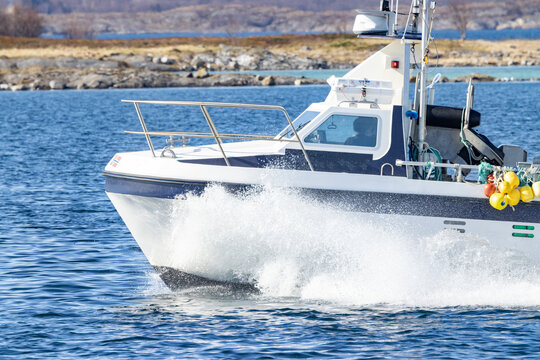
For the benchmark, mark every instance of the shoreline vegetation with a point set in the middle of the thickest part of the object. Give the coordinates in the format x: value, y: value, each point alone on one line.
x: 45, y: 64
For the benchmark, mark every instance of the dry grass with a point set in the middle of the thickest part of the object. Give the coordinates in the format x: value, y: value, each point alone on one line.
x: 331, y: 47
x: 96, y: 52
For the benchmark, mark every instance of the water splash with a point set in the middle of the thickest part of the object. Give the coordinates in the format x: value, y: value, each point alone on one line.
x: 293, y: 246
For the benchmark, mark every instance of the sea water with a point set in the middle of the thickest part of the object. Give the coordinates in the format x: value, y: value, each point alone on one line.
x: 486, y: 34
x: 332, y: 284
x: 504, y: 73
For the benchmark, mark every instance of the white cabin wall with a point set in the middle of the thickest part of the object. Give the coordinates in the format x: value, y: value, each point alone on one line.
x: 378, y: 67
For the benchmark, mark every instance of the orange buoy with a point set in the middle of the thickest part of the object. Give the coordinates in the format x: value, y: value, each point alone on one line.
x: 527, y: 194
x: 490, y: 179
x: 489, y: 189
x: 513, y: 197
x: 498, y: 201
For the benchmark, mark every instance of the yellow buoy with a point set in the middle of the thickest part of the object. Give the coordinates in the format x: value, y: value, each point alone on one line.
x: 505, y: 187
x: 512, y: 178
x: 536, y: 189
x: 513, y: 197
x: 527, y: 194
x: 498, y: 201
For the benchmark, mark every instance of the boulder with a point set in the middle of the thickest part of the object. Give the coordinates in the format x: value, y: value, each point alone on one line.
x: 284, y: 80
x: 130, y: 80
x: 202, y: 73
x: 475, y: 78
x: 17, y: 87
x: 56, y: 85
x: 38, y: 84
x: 268, y: 81
x: 166, y: 60
x: 162, y: 60
x: 35, y: 62
x: 95, y: 81
x: 230, y: 80
x: 246, y: 61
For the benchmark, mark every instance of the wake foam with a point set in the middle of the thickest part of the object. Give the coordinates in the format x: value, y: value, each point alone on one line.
x: 291, y: 246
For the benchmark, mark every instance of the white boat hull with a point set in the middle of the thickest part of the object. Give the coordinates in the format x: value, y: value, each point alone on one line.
x: 169, y: 242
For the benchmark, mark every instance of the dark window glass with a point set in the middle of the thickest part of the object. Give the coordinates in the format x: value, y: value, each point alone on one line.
x: 346, y: 130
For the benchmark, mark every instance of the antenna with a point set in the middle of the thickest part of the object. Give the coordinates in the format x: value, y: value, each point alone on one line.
x: 426, y: 9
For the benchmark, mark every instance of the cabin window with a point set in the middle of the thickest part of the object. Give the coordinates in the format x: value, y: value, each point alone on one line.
x: 300, y: 122
x: 346, y: 130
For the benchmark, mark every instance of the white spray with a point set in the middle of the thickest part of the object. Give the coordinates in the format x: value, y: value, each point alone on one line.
x: 293, y: 246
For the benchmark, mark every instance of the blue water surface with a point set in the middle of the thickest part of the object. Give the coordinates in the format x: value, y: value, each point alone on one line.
x: 486, y: 34
x: 506, y: 73
x: 74, y: 283
x: 489, y: 34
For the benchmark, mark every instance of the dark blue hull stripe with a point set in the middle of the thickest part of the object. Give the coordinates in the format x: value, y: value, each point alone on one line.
x: 158, y: 188
x: 369, y: 202
x: 326, y: 161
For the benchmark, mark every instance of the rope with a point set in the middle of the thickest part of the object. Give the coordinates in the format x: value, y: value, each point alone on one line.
x: 484, y: 169
x: 407, y: 23
x: 430, y: 167
x: 438, y: 171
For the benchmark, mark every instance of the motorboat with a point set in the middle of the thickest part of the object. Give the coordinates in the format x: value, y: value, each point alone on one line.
x: 387, y: 155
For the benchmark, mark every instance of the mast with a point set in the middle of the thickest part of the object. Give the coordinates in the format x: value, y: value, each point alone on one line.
x: 423, y: 78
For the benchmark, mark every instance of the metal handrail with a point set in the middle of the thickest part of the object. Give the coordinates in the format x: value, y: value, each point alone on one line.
x: 210, y: 135
x: 435, y: 164
x: 217, y: 137
x: 457, y: 167
x: 384, y: 166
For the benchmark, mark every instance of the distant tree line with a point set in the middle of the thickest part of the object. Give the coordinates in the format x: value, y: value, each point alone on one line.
x: 70, y: 6
x: 20, y: 21
x: 101, y: 6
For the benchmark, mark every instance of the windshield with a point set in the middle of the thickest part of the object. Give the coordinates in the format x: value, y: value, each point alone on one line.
x: 299, y: 123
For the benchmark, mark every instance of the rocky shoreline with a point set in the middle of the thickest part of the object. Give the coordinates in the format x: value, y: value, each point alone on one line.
x: 177, y: 69
x: 148, y: 71
x: 133, y: 79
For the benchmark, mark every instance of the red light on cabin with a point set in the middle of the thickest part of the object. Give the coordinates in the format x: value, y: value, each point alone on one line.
x: 395, y: 64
